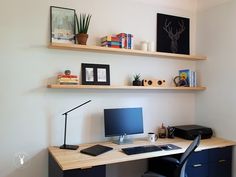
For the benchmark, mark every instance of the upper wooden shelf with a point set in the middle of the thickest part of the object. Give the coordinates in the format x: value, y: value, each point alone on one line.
x: 125, y: 51
x: 108, y: 87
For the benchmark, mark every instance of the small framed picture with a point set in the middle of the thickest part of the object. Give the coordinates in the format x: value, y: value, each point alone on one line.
x: 62, y: 26
x: 95, y: 74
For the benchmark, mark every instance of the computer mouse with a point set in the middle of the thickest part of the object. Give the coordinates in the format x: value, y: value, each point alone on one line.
x: 166, y: 147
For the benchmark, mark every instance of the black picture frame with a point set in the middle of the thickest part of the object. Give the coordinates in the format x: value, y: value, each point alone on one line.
x: 95, y: 74
x: 62, y: 25
x: 173, y: 34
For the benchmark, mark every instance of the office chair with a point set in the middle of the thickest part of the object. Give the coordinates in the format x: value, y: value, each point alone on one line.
x: 171, y: 166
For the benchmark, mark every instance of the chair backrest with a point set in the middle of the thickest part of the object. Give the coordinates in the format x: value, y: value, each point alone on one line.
x: 180, y: 170
x: 190, y: 150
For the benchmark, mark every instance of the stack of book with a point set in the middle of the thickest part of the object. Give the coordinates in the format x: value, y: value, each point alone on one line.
x: 65, y: 79
x: 189, y: 76
x: 111, y: 41
x: 122, y: 40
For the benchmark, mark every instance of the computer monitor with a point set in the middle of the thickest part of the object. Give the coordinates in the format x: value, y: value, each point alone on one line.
x: 123, y: 121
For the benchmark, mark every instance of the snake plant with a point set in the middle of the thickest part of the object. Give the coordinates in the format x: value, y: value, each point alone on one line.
x: 82, y: 23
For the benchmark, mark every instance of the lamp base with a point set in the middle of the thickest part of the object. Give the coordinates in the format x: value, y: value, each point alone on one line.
x: 71, y: 147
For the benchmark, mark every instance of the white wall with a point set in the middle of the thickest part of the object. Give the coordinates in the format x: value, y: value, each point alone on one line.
x: 31, y: 117
x: 216, y: 38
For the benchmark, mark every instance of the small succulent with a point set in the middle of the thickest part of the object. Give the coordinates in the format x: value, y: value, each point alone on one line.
x: 83, y: 22
x: 137, y: 77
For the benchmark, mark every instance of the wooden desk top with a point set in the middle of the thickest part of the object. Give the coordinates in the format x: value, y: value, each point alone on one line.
x: 69, y: 159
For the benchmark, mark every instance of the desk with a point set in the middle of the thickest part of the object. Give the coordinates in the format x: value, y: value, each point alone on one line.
x: 61, y: 160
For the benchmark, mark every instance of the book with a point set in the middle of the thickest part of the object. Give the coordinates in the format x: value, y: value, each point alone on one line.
x: 59, y: 81
x: 194, y: 79
x: 185, y: 75
x: 130, y: 41
x: 66, y: 76
x: 68, y: 79
x: 68, y: 83
x: 189, y: 76
x: 110, y: 38
x: 123, y: 40
x: 111, y: 43
x: 112, y: 46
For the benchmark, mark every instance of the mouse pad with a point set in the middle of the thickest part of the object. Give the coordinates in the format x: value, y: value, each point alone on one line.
x: 96, y: 150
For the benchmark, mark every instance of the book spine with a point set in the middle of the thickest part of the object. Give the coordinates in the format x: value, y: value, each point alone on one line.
x: 191, y: 79
x: 67, y: 76
x: 122, y: 42
x: 68, y: 79
x: 132, y: 42
x: 111, y: 43
x: 195, y: 79
x: 68, y: 83
x: 127, y: 41
x: 110, y: 38
x: 112, y: 46
x: 122, y: 39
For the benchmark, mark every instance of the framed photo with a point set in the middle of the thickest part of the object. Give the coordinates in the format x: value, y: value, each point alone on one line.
x: 172, y: 34
x: 62, y: 21
x: 95, y: 74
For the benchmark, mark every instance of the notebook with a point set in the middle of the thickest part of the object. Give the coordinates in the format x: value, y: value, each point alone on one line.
x: 96, y: 150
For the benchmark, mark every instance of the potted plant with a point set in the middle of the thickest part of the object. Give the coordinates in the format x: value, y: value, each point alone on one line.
x: 82, y: 28
x: 137, y: 81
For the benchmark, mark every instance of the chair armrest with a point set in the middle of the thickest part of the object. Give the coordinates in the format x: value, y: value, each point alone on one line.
x: 169, y: 160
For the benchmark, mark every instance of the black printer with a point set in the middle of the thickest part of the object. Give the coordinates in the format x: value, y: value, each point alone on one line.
x: 189, y: 132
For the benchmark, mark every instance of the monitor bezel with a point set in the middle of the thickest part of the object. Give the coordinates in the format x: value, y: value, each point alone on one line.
x: 124, y: 134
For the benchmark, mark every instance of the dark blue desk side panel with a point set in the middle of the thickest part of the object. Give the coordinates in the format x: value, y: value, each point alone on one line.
x: 220, y: 162
x: 197, y: 165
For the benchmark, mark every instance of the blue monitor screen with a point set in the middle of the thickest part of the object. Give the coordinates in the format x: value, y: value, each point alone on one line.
x: 123, y: 121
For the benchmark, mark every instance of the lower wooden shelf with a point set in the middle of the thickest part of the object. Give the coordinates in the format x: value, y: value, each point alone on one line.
x: 105, y: 87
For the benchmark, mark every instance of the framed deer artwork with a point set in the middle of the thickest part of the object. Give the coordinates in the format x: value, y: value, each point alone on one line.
x: 172, y: 34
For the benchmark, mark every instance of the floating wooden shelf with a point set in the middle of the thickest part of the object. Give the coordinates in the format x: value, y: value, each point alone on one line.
x: 125, y: 51
x: 103, y: 87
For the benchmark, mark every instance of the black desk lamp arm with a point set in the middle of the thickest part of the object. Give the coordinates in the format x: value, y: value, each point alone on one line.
x: 65, y: 113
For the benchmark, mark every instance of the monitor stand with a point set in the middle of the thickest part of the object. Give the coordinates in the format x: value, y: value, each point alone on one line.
x: 123, y: 140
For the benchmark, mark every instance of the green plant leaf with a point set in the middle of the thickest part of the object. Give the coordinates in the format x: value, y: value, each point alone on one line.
x: 87, y: 23
x: 77, y: 23
x: 84, y: 17
x: 83, y: 23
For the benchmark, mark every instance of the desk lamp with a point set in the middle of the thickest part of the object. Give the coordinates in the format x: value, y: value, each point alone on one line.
x: 66, y: 146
